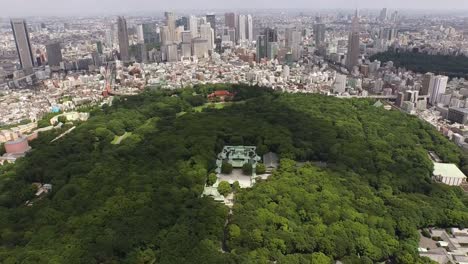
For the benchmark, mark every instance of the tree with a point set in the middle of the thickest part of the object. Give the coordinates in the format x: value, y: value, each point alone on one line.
x: 224, y: 188
x: 320, y: 258
x: 212, y: 178
x: 226, y: 168
x: 260, y: 169
x: 234, y: 231
x: 236, y: 186
x: 62, y: 119
x: 247, y: 169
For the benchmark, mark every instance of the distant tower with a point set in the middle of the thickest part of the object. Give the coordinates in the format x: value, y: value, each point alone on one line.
x: 427, y: 84
x: 353, y: 44
x: 241, y: 28
x: 383, y: 15
x: 193, y: 26
x: 261, y: 48
x: 249, y: 28
x: 54, y: 54
x: 122, y: 34
x: 171, y: 26
x: 230, y: 20
x: 319, y: 34
x: 23, y: 45
x: 206, y: 33
x: 211, y: 18
x: 439, y: 87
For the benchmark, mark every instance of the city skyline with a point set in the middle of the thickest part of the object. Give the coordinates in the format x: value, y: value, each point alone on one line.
x: 60, y: 8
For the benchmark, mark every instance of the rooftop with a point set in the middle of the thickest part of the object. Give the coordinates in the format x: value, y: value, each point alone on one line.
x: 448, y: 170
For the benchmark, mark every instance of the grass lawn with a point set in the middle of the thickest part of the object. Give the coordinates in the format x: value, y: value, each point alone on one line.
x: 213, y: 105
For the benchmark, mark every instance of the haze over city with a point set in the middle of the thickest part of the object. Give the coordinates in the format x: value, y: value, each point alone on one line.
x: 84, y: 7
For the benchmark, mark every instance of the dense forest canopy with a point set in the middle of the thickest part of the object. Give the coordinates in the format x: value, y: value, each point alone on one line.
x: 139, y: 201
x: 452, y: 66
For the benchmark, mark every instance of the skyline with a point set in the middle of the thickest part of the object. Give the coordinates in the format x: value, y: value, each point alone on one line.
x: 90, y: 7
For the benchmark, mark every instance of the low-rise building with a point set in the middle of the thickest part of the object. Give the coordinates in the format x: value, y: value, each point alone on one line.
x: 448, y: 174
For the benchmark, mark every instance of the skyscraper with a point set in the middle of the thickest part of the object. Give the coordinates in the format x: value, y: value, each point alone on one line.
x: 147, y: 33
x: 171, y: 27
x: 193, y: 26
x: 427, y: 84
x: 352, y: 57
x: 319, y: 34
x: 261, y: 48
x: 211, y: 18
x: 438, y: 88
x: 122, y: 34
x: 241, y: 28
x: 230, y: 20
x: 249, y: 28
x: 206, y: 33
x: 267, y: 44
x: 54, y: 53
x: 23, y: 44
x: 383, y: 14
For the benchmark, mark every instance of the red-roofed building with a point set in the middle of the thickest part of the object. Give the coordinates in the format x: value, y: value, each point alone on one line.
x: 222, y: 96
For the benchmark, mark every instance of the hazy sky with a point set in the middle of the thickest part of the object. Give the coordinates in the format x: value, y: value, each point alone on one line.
x: 11, y: 8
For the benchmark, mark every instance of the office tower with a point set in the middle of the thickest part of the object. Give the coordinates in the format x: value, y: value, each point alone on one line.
x: 186, y: 49
x: 206, y: 33
x: 54, y: 53
x: 184, y: 22
x: 172, y: 53
x: 147, y: 33
x: 200, y: 48
x: 411, y: 96
x: 340, y: 84
x: 271, y: 36
x: 110, y: 37
x: 427, y: 84
x: 249, y: 29
x: 165, y: 36
x: 232, y: 34
x: 230, y: 20
x: 388, y: 33
x: 186, y: 37
x: 241, y: 26
x: 394, y: 16
x: 141, y: 55
x: 438, y: 88
x: 99, y: 47
x: 352, y: 57
x: 122, y: 34
x: 261, y: 48
x: 383, y: 15
x: 319, y: 34
x: 171, y: 27
x: 295, y: 45
x: 23, y: 45
x: 178, y: 35
x: 193, y: 26
x: 211, y: 18
x: 292, y: 37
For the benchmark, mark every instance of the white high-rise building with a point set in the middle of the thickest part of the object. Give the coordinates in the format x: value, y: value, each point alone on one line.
x: 439, y: 87
x: 241, y: 28
x: 193, y: 26
x: 250, y: 36
x: 207, y: 33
